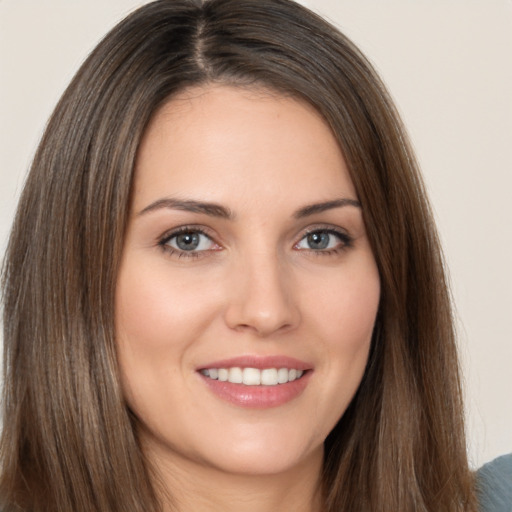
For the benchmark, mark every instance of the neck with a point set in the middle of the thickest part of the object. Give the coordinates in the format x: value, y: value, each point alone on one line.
x: 187, y: 486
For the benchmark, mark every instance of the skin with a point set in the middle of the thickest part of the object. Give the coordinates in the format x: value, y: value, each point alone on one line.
x: 254, y: 286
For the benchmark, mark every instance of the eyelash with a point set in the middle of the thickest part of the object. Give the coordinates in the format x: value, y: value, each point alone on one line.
x: 164, y: 241
x: 346, y: 241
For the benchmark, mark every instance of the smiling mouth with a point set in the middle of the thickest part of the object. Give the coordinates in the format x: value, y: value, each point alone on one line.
x: 253, y: 376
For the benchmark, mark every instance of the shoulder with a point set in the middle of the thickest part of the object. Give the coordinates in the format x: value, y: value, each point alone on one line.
x: 494, y: 485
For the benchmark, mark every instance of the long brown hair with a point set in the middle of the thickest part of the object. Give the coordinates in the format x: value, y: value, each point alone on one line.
x: 68, y: 441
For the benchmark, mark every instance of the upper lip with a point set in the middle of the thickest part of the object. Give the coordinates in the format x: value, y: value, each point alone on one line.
x: 259, y: 362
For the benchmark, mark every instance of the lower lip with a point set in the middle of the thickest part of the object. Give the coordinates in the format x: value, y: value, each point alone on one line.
x: 258, y: 397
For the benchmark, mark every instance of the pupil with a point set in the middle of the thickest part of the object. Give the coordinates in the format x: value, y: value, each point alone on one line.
x: 187, y: 241
x: 318, y: 240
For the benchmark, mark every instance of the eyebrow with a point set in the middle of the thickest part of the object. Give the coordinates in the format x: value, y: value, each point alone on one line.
x: 188, y: 205
x: 217, y: 210
x: 312, y: 209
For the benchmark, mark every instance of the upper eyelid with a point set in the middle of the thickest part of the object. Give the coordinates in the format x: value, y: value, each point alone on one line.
x: 346, y: 239
x: 324, y: 227
x: 164, y: 245
x: 208, y: 232
x: 327, y: 227
x: 167, y: 235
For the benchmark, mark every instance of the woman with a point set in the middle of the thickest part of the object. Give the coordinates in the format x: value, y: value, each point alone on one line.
x: 218, y: 288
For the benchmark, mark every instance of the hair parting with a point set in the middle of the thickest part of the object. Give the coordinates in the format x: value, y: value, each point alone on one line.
x: 69, y: 442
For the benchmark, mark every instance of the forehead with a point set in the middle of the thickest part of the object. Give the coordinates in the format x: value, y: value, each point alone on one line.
x: 222, y: 143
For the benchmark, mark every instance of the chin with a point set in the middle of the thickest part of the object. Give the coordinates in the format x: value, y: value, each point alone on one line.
x: 264, y: 454
x: 262, y: 464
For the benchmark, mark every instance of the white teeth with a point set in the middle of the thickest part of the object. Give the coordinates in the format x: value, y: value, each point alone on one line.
x: 269, y: 377
x: 235, y: 375
x: 253, y: 376
x: 282, y: 375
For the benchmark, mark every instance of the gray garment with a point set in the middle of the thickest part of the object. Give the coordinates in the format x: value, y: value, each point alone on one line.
x: 494, y: 485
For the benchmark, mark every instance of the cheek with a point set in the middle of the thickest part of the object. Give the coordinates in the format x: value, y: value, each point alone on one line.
x: 347, y: 307
x: 159, y: 316
x: 156, y: 308
x: 345, y: 316
x: 356, y: 313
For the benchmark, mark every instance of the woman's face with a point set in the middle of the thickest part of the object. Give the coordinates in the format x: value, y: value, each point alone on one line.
x: 246, y: 259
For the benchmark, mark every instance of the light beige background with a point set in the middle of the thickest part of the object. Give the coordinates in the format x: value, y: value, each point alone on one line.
x: 448, y: 64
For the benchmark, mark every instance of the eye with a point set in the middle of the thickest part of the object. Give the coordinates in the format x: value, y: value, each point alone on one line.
x: 324, y: 240
x: 187, y: 240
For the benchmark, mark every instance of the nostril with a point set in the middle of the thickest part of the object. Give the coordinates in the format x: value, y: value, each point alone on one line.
x: 262, y: 329
x: 260, y: 300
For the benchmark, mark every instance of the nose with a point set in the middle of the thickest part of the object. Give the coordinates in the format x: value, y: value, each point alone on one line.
x: 262, y: 298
